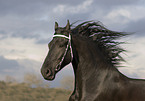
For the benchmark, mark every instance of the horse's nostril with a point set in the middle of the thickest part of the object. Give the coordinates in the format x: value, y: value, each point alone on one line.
x: 48, y: 72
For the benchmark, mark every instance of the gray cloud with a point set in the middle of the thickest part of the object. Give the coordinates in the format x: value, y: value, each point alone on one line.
x: 9, y: 67
x: 8, y: 64
x: 43, y: 41
x: 111, y: 3
x: 18, y: 68
x: 137, y: 27
x: 31, y: 7
x: 23, y: 7
x: 35, y: 18
x: 2, y: 32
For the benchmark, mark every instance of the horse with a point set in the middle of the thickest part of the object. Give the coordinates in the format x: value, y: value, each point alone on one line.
x: 95, y: 54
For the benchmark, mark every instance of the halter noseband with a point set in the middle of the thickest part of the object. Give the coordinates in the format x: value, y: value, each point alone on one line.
x: 68, y: 45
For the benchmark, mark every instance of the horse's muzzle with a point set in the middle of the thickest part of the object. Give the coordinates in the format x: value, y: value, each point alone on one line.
x: 48, y: 74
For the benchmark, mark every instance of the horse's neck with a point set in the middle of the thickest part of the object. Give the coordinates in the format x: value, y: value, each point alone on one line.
x: 91, y: 70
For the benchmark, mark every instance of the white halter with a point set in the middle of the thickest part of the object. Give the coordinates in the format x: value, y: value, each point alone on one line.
x: 68, y: 45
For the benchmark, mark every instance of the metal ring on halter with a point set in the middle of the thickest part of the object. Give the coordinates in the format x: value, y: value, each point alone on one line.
x: 69, y: 44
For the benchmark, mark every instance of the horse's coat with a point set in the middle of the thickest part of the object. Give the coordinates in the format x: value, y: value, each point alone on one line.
x: 95, y: 58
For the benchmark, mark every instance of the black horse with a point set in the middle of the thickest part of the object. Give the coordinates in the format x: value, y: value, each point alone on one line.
x: 95, y: 55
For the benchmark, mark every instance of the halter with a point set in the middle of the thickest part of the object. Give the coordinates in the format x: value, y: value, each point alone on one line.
x: 68, y: 45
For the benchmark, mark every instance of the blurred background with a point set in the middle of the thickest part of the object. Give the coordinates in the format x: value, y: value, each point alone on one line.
x: 27, y: 26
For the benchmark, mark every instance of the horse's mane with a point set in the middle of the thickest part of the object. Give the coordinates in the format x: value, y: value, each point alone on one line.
x: 104, y: 38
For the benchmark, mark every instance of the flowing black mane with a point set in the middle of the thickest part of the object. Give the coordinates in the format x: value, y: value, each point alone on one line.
x: 104, y: 38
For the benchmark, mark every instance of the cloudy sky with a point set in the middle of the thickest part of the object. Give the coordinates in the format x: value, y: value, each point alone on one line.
x: 27, y: 26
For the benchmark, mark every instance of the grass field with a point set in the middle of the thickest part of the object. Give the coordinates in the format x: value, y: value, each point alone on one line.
x: 23, y: 92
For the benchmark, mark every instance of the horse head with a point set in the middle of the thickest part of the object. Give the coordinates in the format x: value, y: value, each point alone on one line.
x: 60, y: 52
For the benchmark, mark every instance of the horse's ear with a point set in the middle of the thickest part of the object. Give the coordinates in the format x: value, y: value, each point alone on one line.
x: 68, y: 25
x: 56, y: 25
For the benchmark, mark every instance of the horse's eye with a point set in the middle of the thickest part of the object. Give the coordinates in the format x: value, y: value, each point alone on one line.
x: 61, y: 45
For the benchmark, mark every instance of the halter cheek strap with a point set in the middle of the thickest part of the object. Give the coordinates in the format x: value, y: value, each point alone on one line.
x: 68, y: 45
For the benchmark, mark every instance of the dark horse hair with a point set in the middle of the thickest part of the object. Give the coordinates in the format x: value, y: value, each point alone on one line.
x: 94, y: 52
x: 104, y: 38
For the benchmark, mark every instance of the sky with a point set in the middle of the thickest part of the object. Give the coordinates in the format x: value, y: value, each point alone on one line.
x: 27, y: 26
